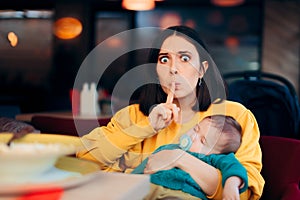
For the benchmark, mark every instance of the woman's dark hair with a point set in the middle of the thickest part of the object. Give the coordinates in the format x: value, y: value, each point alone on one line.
x: 212, y: 87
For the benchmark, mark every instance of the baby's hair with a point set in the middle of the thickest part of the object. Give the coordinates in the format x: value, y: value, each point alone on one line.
x: 231, y: 132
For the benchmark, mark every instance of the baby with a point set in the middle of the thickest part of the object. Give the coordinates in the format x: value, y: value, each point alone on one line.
x: 214, y: 140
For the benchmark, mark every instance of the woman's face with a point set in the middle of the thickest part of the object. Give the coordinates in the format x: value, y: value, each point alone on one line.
x: 178, y: 62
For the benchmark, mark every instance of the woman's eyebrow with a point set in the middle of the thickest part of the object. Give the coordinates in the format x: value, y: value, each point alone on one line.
x: 163, y: 54
x: 184, y: 52
x: 179, y: 52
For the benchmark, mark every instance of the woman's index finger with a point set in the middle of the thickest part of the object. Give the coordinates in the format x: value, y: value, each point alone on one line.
x: 170, y: 96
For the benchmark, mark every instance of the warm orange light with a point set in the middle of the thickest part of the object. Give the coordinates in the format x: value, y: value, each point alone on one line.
x: 232, y: 43
x: 138, y: 4
x: 12, y: 38
x: 67, y: 28
x: 227, y: 3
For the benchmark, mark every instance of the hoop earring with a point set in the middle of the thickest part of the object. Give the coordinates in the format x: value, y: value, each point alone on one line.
x: 200, y: 82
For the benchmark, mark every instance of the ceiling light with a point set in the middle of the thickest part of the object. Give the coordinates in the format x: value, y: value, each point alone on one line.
x: 67, y: 28
x: 138, y: 5
x: 227, y: 3
x: 12, y: 38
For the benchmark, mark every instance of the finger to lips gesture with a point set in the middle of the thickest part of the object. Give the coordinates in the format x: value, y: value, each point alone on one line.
x: 170, y: 104
x: 163, y: 114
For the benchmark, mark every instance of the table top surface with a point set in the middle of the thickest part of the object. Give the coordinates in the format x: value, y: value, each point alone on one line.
x: 99, y: 185
x: 91, y: 183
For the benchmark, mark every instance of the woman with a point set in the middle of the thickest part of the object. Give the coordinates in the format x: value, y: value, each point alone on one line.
x: 190, y: 88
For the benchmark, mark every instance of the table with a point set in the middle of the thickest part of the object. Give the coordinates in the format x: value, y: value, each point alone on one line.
x: 27, y: 117
x: 92, y: 185
x: 64, y: 122
x: 106, y: 186
x: 112, y: 186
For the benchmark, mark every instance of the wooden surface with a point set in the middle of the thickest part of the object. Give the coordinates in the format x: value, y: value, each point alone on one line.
x: 93, y: 185
x: 26, y: 117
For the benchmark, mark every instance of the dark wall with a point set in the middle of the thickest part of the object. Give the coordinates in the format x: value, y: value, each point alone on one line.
x: 69, y: 54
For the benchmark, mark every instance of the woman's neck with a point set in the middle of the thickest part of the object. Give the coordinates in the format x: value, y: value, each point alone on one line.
x: 186, y: 105
x: 186, y: 113
x: 186, y: 116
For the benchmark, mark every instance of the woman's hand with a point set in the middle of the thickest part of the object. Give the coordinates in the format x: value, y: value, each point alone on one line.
x: 163, y: 160
x: 231, y: 188
x: 163, y: 114
x: 205, y: 175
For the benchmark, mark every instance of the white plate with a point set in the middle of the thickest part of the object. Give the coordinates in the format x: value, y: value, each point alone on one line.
x: 68, y: 172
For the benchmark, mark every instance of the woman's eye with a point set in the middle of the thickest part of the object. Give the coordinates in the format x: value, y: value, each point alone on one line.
x: 185, y: 58
x: 164, y: 59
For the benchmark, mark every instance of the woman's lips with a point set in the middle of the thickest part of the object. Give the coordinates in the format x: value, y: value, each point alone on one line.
x: 177, y: 85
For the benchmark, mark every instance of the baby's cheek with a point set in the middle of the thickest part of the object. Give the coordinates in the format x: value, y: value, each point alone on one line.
x: 196, y: 147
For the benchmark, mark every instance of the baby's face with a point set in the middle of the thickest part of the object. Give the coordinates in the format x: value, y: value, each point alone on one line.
x: 204, y: 136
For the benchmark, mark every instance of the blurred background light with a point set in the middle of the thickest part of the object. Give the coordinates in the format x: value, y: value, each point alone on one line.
x: 67, y: 28
x: 12, y: 38
x: 227, y: 3
x: 138, y: 5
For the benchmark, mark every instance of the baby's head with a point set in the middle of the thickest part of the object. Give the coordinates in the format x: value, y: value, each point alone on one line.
x: 213, y: 135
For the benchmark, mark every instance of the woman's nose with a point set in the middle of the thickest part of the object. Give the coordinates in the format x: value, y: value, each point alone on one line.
x: 173, y: 68
x: 173, y: 71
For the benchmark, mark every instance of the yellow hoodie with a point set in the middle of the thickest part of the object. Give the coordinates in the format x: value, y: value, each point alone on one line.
x: 128, y: 139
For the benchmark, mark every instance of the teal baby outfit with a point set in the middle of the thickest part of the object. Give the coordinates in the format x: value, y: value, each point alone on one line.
x: 178, y: 179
